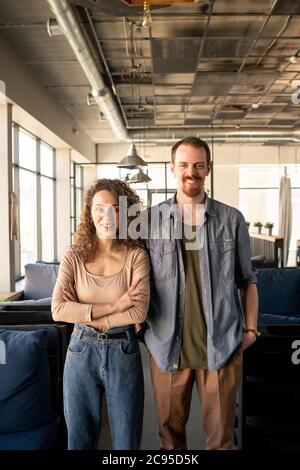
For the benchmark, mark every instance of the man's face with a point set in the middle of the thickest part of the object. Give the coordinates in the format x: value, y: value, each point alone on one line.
x: 190, y: 169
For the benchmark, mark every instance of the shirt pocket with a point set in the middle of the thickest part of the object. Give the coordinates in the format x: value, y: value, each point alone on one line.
x: 163, y: 259
x: 222, y: 246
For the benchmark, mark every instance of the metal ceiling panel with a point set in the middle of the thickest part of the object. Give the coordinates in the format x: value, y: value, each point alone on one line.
x: 127, y: 91
x: 230, y: 115
x: 287, y: 7
x: 178, y: 28
x: 249, y: 83
x: 116, y: 49
x: 197, y: 122
x: 109, y: 28
x: 170, y: 56
x: 234, y: 26
x: 293, y: 28
x: 225, y: 48
x: 171, y: 99
x: 184, y: 65
x: 173, y: 78
x: 219, y: 65
x: 280, y: 48
x: 212, y: 84
x: 283, y: 122
x: 175, y: 48
x: 180, y: 84
x: 174, y: 90
x: 259, y: 7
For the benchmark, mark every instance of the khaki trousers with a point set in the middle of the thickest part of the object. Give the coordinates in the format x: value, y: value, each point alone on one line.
x: 217, y: 394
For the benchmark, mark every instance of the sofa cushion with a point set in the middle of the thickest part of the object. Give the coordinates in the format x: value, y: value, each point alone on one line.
x: 25, y: 391
x: 40, y: 438
x: 46, y: 301
x: 40, y: 280
x: 279, y: 291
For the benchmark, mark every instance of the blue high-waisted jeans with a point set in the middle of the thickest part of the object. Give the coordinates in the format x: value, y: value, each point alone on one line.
x: 94, y: 366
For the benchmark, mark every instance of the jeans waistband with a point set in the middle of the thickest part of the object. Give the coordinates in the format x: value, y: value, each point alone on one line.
x: 119, y: 333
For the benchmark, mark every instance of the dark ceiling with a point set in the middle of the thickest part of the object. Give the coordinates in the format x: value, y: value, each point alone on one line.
x: 232, y: 63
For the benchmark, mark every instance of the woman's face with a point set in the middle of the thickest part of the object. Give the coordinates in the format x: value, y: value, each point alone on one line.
x: 105, y: 214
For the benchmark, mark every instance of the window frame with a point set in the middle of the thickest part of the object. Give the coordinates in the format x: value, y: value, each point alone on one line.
x: 38, y: 176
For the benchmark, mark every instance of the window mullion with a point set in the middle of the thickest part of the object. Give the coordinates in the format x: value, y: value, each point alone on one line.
x: 38, y: 200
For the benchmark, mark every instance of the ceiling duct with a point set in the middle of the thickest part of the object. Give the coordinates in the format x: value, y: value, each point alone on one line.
x: 172, y: 135
x: 102, y: 95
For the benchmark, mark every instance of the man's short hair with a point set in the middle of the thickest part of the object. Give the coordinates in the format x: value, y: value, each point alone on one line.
x: 193, y: 142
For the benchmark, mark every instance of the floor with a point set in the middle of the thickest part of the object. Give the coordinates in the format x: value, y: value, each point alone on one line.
x: 195, y: 433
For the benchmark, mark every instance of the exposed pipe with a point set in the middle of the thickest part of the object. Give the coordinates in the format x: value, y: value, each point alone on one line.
x: 69, y: 24
x: 171, y: 135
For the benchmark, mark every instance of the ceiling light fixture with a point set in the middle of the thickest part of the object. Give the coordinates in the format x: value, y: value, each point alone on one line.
x: 293, y: 60
x: 147, y: 18
x: 132, y: 159
x: 139, y: 177
x: 255, y: 105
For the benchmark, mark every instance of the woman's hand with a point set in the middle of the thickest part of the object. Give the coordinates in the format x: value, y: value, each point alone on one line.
x: 69, y: 294
x: 132, y: 297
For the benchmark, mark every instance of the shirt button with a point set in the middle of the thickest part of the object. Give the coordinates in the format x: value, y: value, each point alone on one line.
x: 175, y: 366
x: 181, y: 269
x: 180, y: 292
x: 178, y: 338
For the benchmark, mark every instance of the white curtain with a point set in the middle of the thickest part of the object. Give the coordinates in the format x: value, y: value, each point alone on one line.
x: 285, y: 215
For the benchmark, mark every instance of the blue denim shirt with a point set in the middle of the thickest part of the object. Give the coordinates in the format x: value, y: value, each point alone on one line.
x: 225, y: 266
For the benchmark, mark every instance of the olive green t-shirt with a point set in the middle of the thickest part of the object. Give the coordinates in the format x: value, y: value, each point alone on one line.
x: 193, y: 354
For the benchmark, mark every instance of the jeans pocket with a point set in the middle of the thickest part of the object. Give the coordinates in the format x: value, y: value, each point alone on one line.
x: 76, y: 345
x: 130, y: 348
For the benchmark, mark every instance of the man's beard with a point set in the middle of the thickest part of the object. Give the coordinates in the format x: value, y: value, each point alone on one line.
x: 192, y: 192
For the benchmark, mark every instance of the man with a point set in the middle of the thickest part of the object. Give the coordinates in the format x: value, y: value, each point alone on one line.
x: 197, y: 330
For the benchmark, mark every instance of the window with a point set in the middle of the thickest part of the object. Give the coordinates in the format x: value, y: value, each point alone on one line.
x: 259, y: 197
x: 161, y: 187
x: 28, y: 217
x: 34, y: 183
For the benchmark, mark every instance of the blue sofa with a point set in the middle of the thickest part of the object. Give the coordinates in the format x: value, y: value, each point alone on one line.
x: 279, y: 296
x: 32, y: 355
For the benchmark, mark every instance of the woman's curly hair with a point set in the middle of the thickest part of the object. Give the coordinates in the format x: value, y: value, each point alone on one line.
x: 87, y: 242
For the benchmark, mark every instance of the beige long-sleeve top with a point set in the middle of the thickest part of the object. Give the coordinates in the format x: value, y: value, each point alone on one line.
x: 94, y: 289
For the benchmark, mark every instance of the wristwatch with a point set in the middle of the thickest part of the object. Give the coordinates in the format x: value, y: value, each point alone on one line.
x: 257, y: 333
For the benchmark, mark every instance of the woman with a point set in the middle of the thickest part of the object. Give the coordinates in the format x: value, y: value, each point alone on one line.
x: 103, y: 287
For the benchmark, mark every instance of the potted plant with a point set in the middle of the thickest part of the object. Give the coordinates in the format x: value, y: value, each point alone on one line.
x: 258, y: 225
x: 269, y: 226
